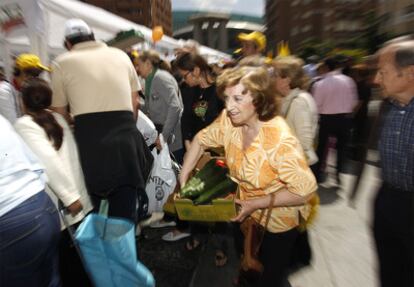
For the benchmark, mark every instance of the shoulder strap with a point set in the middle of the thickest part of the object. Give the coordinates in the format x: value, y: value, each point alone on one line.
x: 269, y: 211
x: 290, y: 104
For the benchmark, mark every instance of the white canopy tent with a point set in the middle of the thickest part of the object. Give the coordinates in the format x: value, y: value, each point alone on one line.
x: 43, y: 28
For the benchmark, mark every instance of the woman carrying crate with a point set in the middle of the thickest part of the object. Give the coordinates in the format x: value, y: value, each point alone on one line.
x: 265, y: 159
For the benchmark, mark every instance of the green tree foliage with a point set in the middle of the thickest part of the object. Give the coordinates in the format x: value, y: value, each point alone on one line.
x: 358, y: 47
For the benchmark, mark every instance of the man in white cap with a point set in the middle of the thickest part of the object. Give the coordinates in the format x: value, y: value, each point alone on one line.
x: 98, y: 85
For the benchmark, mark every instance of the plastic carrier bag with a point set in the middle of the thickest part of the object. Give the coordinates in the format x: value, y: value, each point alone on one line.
x: 162, y: 180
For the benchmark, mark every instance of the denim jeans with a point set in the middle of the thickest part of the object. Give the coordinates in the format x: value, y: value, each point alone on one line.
x: 29, y: 237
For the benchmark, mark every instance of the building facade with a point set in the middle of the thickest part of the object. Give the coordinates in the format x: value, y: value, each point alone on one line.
x: 145, y: 12
x: 216, y: 30
x: 396, y: 17
x: 298, y: 21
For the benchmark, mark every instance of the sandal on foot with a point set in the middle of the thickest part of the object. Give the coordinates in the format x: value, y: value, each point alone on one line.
x: 221, y: 258
x: 192, y: 244
x: 162, y: 223
x: 171, y: 236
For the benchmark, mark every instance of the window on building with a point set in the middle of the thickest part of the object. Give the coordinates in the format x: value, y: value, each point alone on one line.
x: 347, y: 1
x: 123, y: 10
x: 340, y: 26
x: 306, y: 28
x: 385, y: 18
x: 408, y: 11
x: 354, y: 26
x: 306, y: 15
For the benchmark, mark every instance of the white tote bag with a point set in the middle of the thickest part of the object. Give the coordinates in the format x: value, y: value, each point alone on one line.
x: 162, y: 180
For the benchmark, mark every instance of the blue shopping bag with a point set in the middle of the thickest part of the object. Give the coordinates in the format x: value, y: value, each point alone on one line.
x: 109, y: 253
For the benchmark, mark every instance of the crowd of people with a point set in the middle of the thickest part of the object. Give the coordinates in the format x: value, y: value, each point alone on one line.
x: 72, y: 142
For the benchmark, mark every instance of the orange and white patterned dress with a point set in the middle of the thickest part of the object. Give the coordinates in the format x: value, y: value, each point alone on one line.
x: 274, y: 160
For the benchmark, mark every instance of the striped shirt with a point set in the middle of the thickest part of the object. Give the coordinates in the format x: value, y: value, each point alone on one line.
x: 396, y: 146
x: 335, y: 94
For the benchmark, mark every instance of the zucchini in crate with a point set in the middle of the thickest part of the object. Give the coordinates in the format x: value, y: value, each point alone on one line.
x: 212, y: 173
x: 196, y: 184
x: 221, y: 189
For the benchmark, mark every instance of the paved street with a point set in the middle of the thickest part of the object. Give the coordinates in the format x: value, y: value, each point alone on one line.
x: 343, y: 247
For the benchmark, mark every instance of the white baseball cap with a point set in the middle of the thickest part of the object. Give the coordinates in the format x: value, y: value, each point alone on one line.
x: 76, y: 27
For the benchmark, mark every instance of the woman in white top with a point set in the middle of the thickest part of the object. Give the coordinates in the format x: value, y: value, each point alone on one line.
x: 298, y: 106
x: 29, y: 222
x: 300, y: 111
x: 50, y: 138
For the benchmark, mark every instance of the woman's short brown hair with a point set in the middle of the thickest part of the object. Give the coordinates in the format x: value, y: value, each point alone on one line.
x: 291, y: 67
x: 154, y: 58
x: 258, y: 82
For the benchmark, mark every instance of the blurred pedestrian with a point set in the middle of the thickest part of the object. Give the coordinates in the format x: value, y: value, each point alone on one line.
x: 29, y: 222
x: 201, y: 112
x: 206, y: 105
x: 266, y: 161
x: 252, y: 48
x: 311, y: 66
x: 163, y: 102
x: 26, y: 66
x: 9, y: 101
x: 300, y: 111
x: 336, y: 97
x: 298, y: 106
x: 394, y: 204
x: 50, y: 138
x: 362, y: 76
x: 98, y: 85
